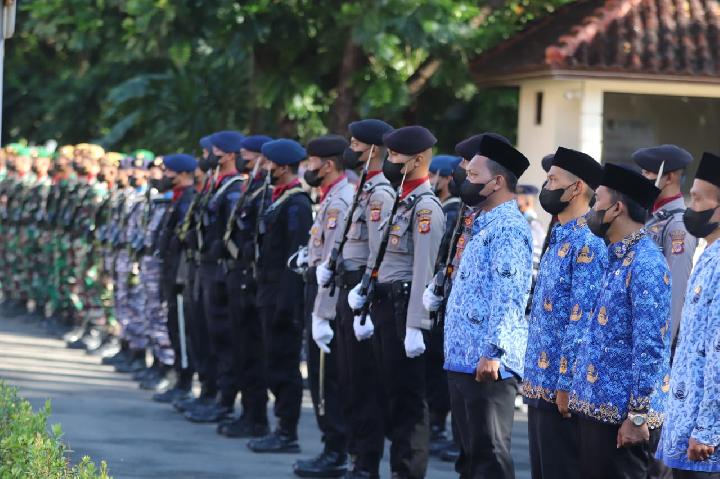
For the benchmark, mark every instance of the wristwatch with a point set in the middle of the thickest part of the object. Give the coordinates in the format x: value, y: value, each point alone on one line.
x: 637, y: 419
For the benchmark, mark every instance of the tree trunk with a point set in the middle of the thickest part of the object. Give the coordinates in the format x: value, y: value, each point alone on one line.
x: 343, y: 109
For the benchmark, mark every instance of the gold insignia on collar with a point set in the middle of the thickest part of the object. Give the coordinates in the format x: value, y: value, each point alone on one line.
x: 585, y: 256
x: 564, y: 250
x: 666, y: 278
x: 629, y: 258
x: 592, y: 375
x: 576, y: 313
x: 602, y: 316
x: 543, y: 361
x: 666, y: 383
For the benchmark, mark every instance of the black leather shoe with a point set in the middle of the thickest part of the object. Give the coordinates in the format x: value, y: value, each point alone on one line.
x: 109, y: 348
x: 201, y: 402
x: 277, y: 441
x: 450, y: 454
x: 131, y: 366
x: 117, y: 358
x: 359, y: 474
x: 243, y: 428
x: 143, y: 374
x: 171, y: 395
x: 327, y: 464
x: 213, y: 413
x: 156, y: 382
x: 77, y: 344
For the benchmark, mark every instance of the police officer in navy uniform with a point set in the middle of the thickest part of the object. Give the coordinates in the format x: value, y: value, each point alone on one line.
x: 442, y: 168
x: 401, y: 322
x: 358, y: 372
x: 180, y: 170
x: 283, y: 229
x: 242, y: 289
x: 225, y: 192
x: 667, y: 229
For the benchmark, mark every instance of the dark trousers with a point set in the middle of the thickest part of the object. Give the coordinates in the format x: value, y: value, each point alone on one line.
x: 682, y: 474
x: 184, y: 375
x: 601, y: 459
x: 553, y: 444
x: 360, y: 382
x: 403, y: 379
x: 332, y: 422
x: 215, y: 304
x: 203, y: 354
x: 438, y: 395
x: 656, y: 469
x: 483, y: 413
x: 282, y: 340
x: 247, y: 337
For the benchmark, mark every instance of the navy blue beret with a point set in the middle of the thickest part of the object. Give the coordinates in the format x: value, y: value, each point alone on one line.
x: 547, y: 162
x: 630, y: 183
x: 579, y: 164
x: 650, y: 159
x: 227, y: 141
x: 205, y: 143
x: 126, y: 163
x: 284, y: 152
x: 444, y: 165
x: 327, y: 145
x: 504, y: 154
x: 369, y: 131
x: 255, y: 142
x: 709, y: 169
x: 409, y: 140
x: 469, y: 147
x: 180, y: 163
x: 526, y: 190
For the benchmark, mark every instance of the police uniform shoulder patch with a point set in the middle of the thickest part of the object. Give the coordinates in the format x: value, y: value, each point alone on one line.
x: 375, y: 211
x: 332, y: 217
x: 678, y: 241
x: 424, y: 219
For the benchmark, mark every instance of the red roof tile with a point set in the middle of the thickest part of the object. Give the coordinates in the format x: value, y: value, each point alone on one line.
x: 647, y: 37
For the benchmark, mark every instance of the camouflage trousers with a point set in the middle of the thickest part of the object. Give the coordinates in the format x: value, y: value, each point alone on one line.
x: 156, y: 311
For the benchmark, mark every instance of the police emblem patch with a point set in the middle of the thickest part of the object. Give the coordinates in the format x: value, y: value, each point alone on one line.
x: 424, y: 224
x: 375, y: 209
x: 332, y: 219
x: 678, y: 242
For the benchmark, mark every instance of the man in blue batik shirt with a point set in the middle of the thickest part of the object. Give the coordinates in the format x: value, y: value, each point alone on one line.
x: 691, y: 435
x: 568, y: 282
x: 621, y: 368
x: 485, y: 326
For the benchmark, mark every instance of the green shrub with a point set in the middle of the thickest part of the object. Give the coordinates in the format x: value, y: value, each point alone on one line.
x: 28, y: 450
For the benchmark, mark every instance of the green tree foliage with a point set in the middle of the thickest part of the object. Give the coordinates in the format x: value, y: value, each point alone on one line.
x: 159, y: 74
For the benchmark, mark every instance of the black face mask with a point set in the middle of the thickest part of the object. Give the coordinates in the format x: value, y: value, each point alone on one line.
x: 213, y: 161
x: 551, y: 202
x: 273, y: 178
x: 79, y: 169
x: 458, y: 178
x: 470, y: 193
x: 595, y: 221
x: 312, y: 178
x: 351, y: 159
x: 34, y: 169
x: 393, y: 172
x: 133, y: 182
x: 100, y: 177
x: 240, y: 164
x: 698, y: 222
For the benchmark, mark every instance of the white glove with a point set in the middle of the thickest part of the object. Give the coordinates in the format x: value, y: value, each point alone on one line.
x: 355, y: 299
x: 302, y: 257
x: 322, y: 333
x: 414, y: 343
x: 363, y: 332
x: 431, y: 301
x: 323, y: 274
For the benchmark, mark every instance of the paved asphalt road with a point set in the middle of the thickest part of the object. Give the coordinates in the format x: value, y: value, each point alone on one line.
x: 104, y: 415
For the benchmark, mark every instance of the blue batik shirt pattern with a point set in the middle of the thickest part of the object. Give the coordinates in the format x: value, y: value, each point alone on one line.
x: 485, y: 314
x: 623, y: 362
x: 568, y: 283
x: 693, y: 408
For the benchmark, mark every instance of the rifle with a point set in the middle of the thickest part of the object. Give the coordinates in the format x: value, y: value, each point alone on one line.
x: 230, y: 245
x: 182, y: 229
x: 444, y: 274
x: 258, y: 222
x: 367, y: 285
x: 337, y: 250
x: 136, y: 245
x: 202, y: 204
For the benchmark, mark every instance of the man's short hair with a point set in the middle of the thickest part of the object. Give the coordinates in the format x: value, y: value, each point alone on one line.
x: 496, y: 169
x: 635, y: 210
